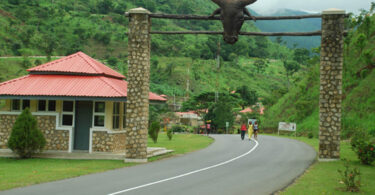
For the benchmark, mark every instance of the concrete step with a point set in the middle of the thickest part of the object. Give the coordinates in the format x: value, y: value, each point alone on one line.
x: 151, y: 151
x: 157, y: 151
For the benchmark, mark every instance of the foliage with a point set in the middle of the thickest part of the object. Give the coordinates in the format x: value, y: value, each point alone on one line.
x: 351, y: 178
x: 248, y: 97
x: 26, y: 139
x: 291, y: 67
x: 301, y: 103
x: 363, y: 147
x: 96, y: 27
x: 261, y: 65
x: 169, y: 134
x: 154, y: 131
x: 26, y: 63
x: 361, y: 42
x: 301, y: 55
x: 178, y: 128
x: 156, y: 111
x: 220, y: 114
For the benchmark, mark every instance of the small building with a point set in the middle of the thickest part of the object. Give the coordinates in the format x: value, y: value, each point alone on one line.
x: 79, y: 103
x: 190, y: 118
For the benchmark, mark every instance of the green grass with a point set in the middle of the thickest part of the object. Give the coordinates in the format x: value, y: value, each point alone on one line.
x: 323, y: 178
x: 17, y: 173
x: 182, y: 143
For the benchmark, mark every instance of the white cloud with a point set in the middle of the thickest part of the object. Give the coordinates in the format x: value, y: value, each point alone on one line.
x: 264, y: 6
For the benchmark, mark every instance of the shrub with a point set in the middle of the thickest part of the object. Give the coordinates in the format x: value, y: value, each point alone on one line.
x: 37, y: 62
x: 363, y: 147
x: 351, y: 177
x: 178, y: 128
x: 26, y: 139
x: 154, y: 131
x: 170, y: 134
x: 310, y: 135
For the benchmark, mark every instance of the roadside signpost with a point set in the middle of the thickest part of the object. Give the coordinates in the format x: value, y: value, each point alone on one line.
x: 287, y: 127
x: 227, y: 125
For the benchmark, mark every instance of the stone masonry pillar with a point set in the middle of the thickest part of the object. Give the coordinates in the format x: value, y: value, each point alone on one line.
x: 138, y: 85
x: 331, y: 64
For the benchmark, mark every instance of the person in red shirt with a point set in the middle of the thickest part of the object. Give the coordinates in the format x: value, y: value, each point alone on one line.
x: 243, y: 130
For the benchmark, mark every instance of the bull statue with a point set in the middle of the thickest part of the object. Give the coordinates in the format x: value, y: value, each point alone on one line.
x: 232, y: 15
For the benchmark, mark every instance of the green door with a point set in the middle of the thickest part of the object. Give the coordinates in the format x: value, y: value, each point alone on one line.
x: 83, y: 123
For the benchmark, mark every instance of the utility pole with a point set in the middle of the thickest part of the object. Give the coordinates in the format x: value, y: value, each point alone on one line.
x: 217, y: 73
x: 188, y: 81
x: 174, y: 102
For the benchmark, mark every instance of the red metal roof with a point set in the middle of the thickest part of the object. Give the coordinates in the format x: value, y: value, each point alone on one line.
x: 68, y: 85
x: 77, y: 63
x: 246, y: 110
x: 93, y: 79
x: 261, y: 110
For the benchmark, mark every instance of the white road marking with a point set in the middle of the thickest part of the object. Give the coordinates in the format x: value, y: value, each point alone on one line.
x: 190, y: 173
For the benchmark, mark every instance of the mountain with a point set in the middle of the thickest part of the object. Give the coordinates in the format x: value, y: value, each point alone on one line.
x: 304, y: 25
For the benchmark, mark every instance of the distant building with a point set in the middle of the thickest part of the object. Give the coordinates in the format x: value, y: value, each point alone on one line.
x: 189, y: 118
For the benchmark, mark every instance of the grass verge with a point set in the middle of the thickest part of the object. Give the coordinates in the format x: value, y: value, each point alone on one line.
x: 23, y: 172
x: 323, y: 178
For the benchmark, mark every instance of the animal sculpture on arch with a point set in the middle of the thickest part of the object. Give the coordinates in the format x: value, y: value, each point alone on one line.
x: 232, y: 15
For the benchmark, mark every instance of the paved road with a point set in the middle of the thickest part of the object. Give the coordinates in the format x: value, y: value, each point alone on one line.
x: 228, y: 166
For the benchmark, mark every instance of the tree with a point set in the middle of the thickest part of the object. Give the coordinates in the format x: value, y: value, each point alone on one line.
x: 361, y: 42
x: 261, y: 65
x: 200, y: 103
x: 368, y: 57
x: 291, y: 67
x: 112, y: 61
x: 248, y: 97
x: 49, y: 44
x: 26, y: 63
x: 105, y: 6
x: 279, y: 40
x: 261, y: 50
x: 154, y: 131
x: 222, y: 113
x: 301, y: 55
x: 367, y: 26
x: 170, y: 67
x: 347, y: 41
x: 26, y: 139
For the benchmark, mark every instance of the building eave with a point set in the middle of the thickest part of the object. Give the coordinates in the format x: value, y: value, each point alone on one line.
x: 72, y: 98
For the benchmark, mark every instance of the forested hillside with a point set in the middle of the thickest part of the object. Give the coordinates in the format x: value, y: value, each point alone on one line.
x: 97, y: 27
x: 305, y: 25
x: 301, y: 103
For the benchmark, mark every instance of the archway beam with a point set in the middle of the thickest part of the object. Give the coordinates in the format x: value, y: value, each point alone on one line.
x: 200, y: 17
x: 315, y: 33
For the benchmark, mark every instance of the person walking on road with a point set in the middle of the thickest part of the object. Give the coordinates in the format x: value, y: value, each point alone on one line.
x: 243, y: 130
x: 255, y: 127
x: 250, y: 130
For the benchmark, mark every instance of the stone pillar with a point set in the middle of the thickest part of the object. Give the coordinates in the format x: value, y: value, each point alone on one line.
x: 138, y: 85
x: 331, y: 64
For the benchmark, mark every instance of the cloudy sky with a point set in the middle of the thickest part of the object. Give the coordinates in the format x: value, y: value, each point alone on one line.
x: 265, y: 6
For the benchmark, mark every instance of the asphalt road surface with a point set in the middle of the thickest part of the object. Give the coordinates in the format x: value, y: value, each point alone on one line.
x: 228, y: 166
